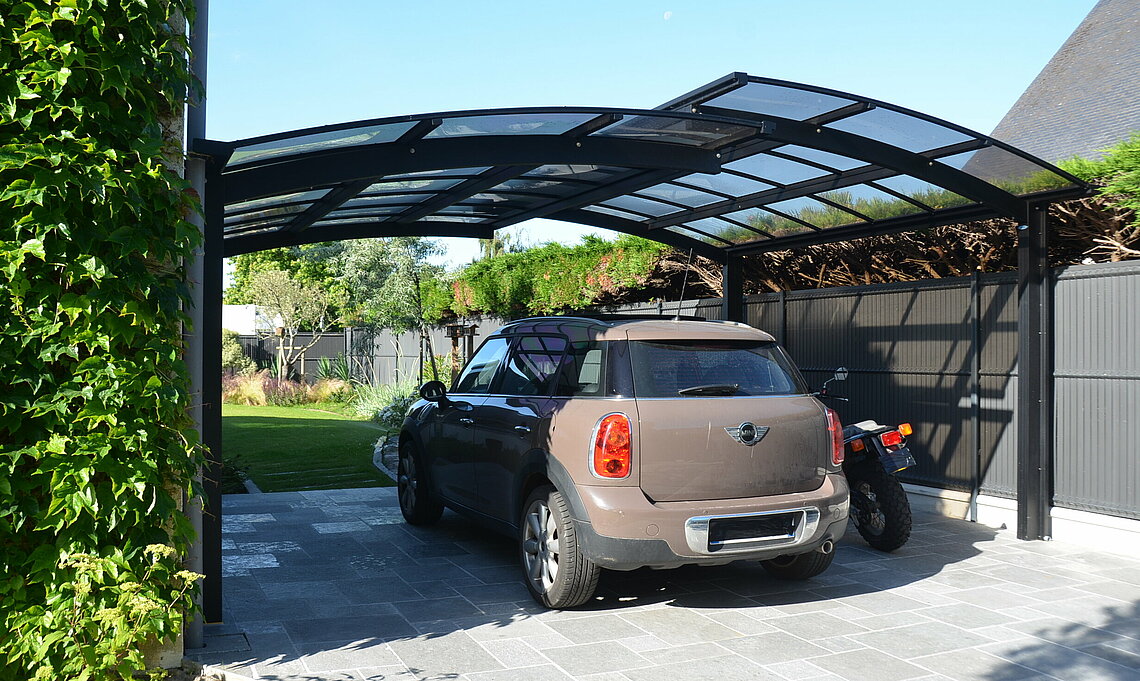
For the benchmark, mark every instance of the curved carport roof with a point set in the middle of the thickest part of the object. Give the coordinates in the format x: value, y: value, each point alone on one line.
x: 741, y: 165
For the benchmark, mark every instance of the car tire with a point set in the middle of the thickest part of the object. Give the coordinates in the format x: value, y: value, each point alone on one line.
x: 800, y: 566
x: 417, y: 503
x: 556, y: 573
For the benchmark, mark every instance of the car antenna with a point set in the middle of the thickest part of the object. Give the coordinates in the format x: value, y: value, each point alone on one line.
x: 684, y: 281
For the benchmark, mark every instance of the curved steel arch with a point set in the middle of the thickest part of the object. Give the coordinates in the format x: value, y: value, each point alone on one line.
x: 665, y: 174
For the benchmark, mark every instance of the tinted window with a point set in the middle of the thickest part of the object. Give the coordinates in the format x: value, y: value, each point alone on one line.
x: 583, y: 370
x: 662, y: 369
x: 533, y: 365
x: 480, y: 371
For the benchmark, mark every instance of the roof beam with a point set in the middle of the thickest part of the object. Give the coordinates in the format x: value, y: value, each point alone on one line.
x: 363, y: 162
x: 629, y: 185
x: 463, y: 190
x: 239, y: 244
x: 326, y: 204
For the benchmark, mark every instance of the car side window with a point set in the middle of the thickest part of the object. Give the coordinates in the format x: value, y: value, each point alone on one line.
x: 533, y: 365
x: 480, y: 371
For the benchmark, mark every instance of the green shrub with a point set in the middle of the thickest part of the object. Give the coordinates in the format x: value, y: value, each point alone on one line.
x: 234, y: 359
x: 386, y: 404
x: 96, y: 445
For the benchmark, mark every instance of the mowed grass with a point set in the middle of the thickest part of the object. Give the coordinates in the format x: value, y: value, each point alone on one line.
x: 288, y: 449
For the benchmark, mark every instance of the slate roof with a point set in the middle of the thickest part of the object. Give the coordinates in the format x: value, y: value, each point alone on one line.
x: 1087, y: 97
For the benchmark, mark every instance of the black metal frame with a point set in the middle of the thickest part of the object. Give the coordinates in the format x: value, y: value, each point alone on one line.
x: 350, y: 169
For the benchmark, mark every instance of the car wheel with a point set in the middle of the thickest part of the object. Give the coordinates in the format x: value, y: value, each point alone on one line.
x: 799, y: 566
x: 417, y: 503
x: 557, y: 573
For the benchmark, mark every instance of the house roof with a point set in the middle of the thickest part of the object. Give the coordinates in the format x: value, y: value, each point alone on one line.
x: 1087, y: 97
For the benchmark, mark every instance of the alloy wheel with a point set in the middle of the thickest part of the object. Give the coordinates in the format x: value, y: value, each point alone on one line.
x: 541, y: 546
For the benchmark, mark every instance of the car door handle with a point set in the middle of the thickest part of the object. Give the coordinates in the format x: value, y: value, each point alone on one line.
x: 466, y: 421
x: 522, y: 429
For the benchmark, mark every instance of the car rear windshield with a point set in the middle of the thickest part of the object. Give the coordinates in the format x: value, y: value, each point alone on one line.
x: 713, y: 368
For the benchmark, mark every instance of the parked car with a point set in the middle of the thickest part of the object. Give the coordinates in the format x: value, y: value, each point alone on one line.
x: 620, y: 443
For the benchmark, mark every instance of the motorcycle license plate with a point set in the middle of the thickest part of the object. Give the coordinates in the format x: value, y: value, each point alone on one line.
x: 895, y: 461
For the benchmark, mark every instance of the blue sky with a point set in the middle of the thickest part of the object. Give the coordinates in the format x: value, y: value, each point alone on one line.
x: 285, y: 64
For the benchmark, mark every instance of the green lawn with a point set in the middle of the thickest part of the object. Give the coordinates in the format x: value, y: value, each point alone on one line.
x: 294, y: 448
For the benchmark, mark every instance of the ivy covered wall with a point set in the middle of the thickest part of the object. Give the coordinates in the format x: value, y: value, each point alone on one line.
x: 96, y: 445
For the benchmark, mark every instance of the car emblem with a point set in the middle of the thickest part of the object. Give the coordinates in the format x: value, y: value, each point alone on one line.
x: 747, y: 433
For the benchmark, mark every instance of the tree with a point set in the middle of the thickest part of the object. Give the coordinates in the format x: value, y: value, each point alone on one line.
x: 296, y: 307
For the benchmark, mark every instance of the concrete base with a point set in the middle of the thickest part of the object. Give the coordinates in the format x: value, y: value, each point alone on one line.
x: 1094, y: 530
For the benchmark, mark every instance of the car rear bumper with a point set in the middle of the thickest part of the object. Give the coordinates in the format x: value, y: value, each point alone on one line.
x: 624, y: 530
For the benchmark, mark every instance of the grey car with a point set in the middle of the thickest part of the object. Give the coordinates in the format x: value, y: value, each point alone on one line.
x: 621, y: 443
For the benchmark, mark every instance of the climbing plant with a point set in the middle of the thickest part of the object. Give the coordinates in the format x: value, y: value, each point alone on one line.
x: 96, y: 446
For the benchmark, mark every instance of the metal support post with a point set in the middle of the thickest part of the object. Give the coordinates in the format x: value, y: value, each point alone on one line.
x: 732, y: 280
x: 1034, y: 378
x: 212, y: 395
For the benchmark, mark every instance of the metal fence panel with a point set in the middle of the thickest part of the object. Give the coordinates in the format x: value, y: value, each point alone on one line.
x: 1097, y: 388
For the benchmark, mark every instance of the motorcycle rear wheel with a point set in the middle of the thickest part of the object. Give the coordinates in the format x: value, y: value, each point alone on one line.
x: 884, y: 519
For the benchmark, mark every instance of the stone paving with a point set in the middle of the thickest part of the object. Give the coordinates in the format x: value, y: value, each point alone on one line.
x: 332, y: 585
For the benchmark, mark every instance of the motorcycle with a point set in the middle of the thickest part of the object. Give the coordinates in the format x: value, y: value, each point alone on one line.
x: 873, y: 454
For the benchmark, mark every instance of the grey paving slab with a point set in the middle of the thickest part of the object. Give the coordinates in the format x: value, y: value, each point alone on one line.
x: 968, y: 665
x: 595, y: 658
x: 869, y: 665
x: 374, y: 599
x: 727, y: 668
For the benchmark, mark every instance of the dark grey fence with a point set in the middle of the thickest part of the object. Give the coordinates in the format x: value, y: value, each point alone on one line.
x: 941, y: 355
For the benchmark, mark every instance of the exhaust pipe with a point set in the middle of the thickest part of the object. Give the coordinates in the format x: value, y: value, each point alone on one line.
x: 826, y: 547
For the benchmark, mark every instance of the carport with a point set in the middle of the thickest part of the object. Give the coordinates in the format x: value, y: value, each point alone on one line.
x: 739, y: 167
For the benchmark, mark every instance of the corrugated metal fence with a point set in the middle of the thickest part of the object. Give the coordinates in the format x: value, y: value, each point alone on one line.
x: 941, y: 355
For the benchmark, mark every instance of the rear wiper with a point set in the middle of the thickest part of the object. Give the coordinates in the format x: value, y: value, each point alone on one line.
x: 711, y: 389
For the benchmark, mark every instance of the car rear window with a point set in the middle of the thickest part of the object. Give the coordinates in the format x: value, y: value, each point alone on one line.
x: 713, y: 368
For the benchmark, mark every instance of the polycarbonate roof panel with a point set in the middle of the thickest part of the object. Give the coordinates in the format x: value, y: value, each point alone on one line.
x: 900, y: 130
x: 640, y: 205
x: 390, y: 186
x: 824, y: 158
x: 586, y: 173
x: 725, y: 183
x: 538, y: 124
x: 1007, y: 170
x: 678, y: 131
x: 775, y: 170
x: 679, y: 194
x: 777, y: 100
x: 927, y: 194
x: 385, y: 200
x: 334, y: 139
x: 870, y: 202
x: 606, y: 210
x: 694, y: 173
x: 725, y: 230
x: 706, y: 238
x: 279, y: 199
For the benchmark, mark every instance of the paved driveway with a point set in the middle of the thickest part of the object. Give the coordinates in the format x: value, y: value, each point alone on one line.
x: 332, y: 585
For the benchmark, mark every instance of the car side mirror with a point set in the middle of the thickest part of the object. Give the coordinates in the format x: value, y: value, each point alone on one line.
x: 434, y: 391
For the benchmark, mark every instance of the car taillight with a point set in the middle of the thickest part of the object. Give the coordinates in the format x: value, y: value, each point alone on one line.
x: 613, y: 447
x: 892, y: 438
x: 836, y: 429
